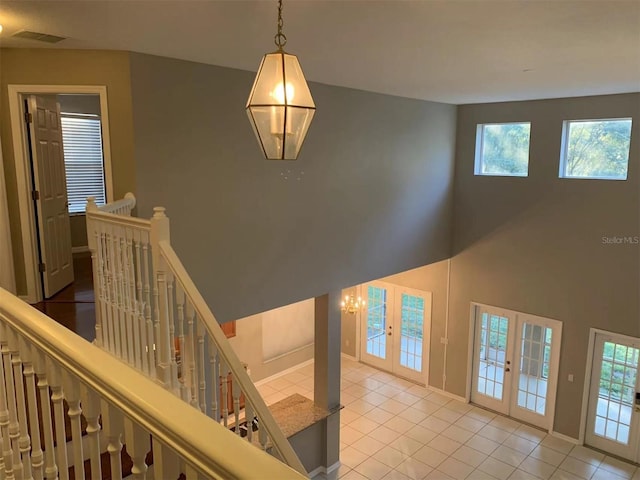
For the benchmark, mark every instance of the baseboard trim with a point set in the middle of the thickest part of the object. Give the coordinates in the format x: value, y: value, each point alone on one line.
x: 26, y: 299
x: 80, y: 249
x: 284, y: 372
x: 350, y: 357
x: 321, y: 469
x: 566, y: 438
x: 447, y: 394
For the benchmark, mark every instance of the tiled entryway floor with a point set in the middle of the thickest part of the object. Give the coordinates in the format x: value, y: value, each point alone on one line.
x: 396, y: 430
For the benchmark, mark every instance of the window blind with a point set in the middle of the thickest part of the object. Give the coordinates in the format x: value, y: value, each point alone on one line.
x: 83, y: 160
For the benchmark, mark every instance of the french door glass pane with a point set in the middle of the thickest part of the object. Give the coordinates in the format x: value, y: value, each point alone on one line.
x: 618, y: 372
x: 411, y: 331
x: 535, y: 357
x: 493, y: 346
x: 376, y: 321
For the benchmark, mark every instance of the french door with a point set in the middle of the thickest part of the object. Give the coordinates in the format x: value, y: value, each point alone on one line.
x: 515, y: 364
x: 613, y: 412
x: 394, y: 332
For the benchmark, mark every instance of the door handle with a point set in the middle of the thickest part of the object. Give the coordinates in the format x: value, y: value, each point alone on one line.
x: 389, y: 334
x: 507, y: 369
x: 508, y: 362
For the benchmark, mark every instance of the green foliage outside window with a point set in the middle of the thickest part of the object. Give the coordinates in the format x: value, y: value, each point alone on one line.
x: 505, y: 149
x: 597, y: 148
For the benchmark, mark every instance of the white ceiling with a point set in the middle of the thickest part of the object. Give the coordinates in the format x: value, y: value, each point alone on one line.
x: 455, y: 51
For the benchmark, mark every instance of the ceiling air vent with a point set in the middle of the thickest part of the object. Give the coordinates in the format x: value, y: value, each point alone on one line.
x: 40, y: 37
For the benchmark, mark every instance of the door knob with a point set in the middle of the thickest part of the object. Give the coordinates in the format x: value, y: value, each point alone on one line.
x: 389, y: 333
x: 507, y: 369
x: 508, y: 362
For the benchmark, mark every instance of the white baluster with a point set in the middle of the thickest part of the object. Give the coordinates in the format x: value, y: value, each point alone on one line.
x: 262, y: 435
x: 147, y: 275
x: 190, y: 354
x: 107, y: 307
x: 248, y: 416
x: 57, y: 398
x: 91, y: 406
x: 113, y: 290
x: 166, y: 464
x: 129, y: 296
x: 7, y: 451
x: 182, y: 373
x: 37, y: 456
x: 72, y: 394
x: 24, y: 441
x: 112, y: 422
x: 171, y: 320
x: 201, y: 371
x: 235, y: 392
x: 214, y: 363
x: 14, y: 428
x: 142, y: 344
x: 51, y: 468
x: 166, y: 368
x: 92, y: 244
x: 224, y: 400
x: 137, y: 441
x: 122, y: 308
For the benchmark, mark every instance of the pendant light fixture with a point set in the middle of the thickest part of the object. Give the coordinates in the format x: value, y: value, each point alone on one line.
x: 280, y: 107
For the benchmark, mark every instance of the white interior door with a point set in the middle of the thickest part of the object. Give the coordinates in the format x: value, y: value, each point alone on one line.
x: 493, y: 347
x: 515, y: 364
x: 613, y: 414
x: 412, y: 320
x: 51, y: 202
x: 376, y: 327
x: 395, y: 330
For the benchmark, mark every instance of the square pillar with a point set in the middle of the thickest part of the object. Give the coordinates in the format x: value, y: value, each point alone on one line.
x: 327, y: 370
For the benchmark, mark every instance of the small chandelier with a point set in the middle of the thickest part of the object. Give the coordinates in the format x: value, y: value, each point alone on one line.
x: 352, y: 304
x: 280, y: 107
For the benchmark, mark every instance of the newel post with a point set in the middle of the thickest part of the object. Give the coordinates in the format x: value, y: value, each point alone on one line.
x: 166, y: 367
x: 92, y: 243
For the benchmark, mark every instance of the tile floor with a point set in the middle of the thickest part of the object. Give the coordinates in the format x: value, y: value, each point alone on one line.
x: 394, y: 430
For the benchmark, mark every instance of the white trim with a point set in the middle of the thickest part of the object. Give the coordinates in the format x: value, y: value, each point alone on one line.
x: 586, y: 388
x: 566, y: 438
x: 350, y: 357
x: 80, y: 249
x: 447, y: 394
x: 23, y: 170
x: 7, y: 272
x: 470, y: 345
x: 284, y: 372
x: 446, y: 329
x: 321, y: 469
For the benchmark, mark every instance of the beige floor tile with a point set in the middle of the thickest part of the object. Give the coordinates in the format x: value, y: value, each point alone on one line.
x: 455, y: 468
x: 373, y: 469
x: 470, y: 456
x: 496, y: 468
x: 430, y: 456
x: 537, y: 467
x: 413, y: 469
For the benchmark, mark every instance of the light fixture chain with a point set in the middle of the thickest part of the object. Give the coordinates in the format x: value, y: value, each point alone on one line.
x: 280, y: 38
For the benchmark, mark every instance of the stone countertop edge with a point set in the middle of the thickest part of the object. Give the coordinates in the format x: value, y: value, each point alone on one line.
x: 296, y: 413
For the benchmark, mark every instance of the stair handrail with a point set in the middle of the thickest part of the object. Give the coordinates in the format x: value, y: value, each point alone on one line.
x: 124, y: 206
x: 190, y: 433
x: 225, y: 350
x: 153, y: 305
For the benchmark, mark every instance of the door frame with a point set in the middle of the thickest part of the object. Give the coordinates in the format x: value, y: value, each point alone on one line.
x: 555, y: 360
x: 588, y: 375
x: 24, y: 177
x: 426, y: 360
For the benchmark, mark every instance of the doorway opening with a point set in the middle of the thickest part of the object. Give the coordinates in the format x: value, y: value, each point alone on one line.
x: 46, y: 245
x: 515, y: 364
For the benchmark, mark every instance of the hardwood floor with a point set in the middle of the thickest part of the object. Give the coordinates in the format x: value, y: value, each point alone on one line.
x: 74, y: 306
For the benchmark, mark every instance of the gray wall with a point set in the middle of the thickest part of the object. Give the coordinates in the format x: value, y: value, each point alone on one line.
x: 535, y: 244
x: 374, y: 195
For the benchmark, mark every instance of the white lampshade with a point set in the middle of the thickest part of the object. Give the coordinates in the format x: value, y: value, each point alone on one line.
x: 280, y: 106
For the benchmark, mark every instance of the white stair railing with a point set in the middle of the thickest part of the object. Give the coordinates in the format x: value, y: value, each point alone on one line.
x: 150, y: 314
x: 44, y: 364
